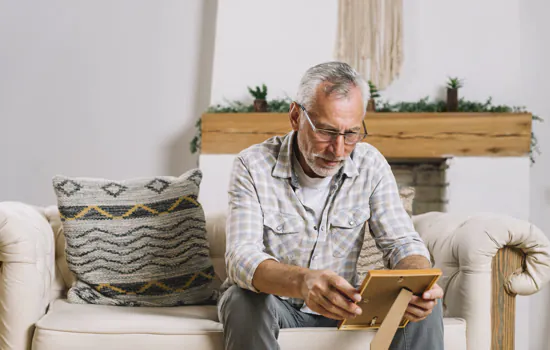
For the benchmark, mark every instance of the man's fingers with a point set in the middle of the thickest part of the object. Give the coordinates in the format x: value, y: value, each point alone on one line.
x: 317, y: 307
x: 436, y: 292
x: 418, y: 312
x: 422, y: 304
x: 333, y: 309
x: 345, y: 288
x: 413, y: 318
x: 339, y: 300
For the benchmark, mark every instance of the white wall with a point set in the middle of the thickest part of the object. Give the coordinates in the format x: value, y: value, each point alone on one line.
x: 276, y: 41
x: 103, y: 89
x: 535, y: 55
x: 269, y: 41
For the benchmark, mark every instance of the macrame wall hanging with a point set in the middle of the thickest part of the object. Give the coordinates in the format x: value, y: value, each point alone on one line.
x: 370, y: 38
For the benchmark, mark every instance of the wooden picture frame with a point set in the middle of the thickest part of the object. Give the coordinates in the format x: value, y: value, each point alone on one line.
x: 379, y: 291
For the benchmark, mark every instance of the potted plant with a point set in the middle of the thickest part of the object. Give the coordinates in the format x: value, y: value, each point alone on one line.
x: 260, y: 103
x: 371, y: 105
x: 453, y: 84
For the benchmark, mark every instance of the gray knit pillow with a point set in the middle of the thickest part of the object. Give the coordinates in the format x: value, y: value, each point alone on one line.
x: 138, y: 242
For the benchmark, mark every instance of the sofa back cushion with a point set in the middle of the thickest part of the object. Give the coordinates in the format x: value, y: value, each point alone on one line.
x: 137, y: 242
x: 215, y: 228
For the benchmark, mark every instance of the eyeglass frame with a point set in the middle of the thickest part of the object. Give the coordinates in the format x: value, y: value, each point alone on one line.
x: 334, y: 134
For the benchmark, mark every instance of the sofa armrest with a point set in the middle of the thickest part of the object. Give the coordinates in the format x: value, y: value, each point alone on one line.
x: 486, y: 260
x: 27, y: 263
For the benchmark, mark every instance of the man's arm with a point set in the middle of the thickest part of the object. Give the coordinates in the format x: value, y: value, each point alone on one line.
x: 401, y: 245
x: 413, y: 262
x: 245, y: 248
x: 392, y: 227
x: 322, y: 290
x: 420, y: 307
x: 273, y: 277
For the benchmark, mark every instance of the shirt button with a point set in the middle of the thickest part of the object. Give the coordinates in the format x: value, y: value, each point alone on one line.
x: 279, y: 228
x: 322, y: 228
x: 314, y: 257
x: 315, y: 228
x: 352, y: 222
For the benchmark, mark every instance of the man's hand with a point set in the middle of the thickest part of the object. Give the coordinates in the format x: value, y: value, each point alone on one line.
x: 329, y: 295
x: 421, y: 307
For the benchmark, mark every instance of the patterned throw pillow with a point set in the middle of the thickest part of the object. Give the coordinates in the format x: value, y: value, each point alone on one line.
x: 138, y: 242
x: 370, y: 257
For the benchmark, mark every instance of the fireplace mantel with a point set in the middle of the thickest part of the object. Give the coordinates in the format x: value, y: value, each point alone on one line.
x: 396, y: 135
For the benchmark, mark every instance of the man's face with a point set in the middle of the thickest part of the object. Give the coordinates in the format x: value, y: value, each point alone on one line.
x: 321, y: 158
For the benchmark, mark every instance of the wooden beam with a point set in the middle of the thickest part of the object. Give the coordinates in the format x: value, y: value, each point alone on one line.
x: 503, y: 305
x: 396, y: 135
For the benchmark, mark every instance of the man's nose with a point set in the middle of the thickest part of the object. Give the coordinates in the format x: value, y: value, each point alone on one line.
x: 338, y: 144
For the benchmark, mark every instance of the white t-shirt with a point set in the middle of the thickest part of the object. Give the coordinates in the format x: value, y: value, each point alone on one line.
x: 313, y: 191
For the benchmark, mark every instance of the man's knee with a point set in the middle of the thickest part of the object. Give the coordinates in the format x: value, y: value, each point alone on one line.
x: 240, y: 304
x: 427, y: 334
x: 437, y: 313
x: 430, y: 332
x: 435, y: 320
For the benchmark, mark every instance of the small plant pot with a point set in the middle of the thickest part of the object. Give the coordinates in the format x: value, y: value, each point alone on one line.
x: 260, y: 105
x: 452, y: 100
x: 371, y: 105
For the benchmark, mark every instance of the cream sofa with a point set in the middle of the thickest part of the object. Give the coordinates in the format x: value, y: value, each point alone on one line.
x: 471, y: 251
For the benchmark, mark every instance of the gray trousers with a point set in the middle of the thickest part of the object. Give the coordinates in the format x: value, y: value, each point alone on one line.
x: 252, y: 321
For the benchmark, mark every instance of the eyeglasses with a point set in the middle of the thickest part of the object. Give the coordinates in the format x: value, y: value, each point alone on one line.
x: 325, y: 135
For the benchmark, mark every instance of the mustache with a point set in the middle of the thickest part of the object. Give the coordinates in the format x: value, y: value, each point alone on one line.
x: 329, y: 158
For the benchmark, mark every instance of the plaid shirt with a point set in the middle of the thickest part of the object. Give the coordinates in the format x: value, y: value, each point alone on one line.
x: 266, y: 219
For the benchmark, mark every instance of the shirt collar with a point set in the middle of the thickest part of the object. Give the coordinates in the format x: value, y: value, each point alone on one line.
x: 350, y: 168
x: 283, y: 167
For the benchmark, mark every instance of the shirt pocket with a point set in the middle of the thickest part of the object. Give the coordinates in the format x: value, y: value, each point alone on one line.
x: 281, y: 235
x: 347, y: 230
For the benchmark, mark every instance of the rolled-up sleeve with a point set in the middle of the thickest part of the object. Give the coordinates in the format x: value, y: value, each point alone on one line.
x: 244, y: 228
x: 392, y: 227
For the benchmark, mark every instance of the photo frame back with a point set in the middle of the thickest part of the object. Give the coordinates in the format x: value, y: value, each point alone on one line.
x: 380, y: 289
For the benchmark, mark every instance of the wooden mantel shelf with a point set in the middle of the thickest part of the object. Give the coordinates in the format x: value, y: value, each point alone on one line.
x: 396, y: 135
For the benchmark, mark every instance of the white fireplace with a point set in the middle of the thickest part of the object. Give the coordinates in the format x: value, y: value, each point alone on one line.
x: 428, y: 178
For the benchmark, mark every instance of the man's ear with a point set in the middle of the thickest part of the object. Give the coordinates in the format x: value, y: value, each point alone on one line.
x: 294, y: 116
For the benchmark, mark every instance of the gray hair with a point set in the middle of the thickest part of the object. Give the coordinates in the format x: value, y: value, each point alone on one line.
x: 341, y: 76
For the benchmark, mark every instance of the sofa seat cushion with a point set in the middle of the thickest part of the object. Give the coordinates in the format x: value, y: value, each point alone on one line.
x: 77, y: 326
x: 81, y: 318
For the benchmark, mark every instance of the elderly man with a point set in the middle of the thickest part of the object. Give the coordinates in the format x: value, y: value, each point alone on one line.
x: 297, y: 210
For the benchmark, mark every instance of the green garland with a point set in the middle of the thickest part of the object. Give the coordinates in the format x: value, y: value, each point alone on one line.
x: 273, y: 106
x: 422, y: 105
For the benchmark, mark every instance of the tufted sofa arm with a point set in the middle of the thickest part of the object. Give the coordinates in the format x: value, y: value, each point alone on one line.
x: 28, y: 272
x: 486, y: 260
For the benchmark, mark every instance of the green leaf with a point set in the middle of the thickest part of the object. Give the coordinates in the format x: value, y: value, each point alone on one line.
x: 252, y: 92
x: 195, y: 145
